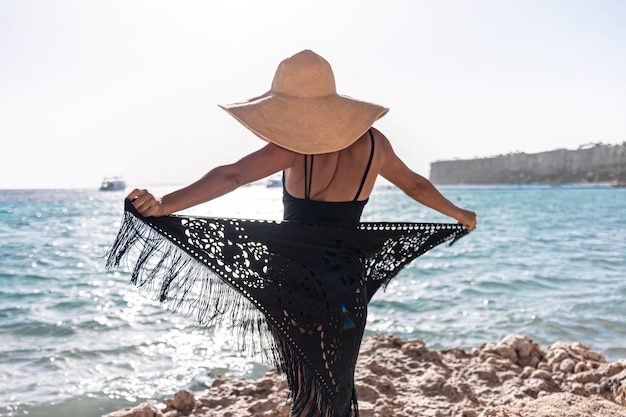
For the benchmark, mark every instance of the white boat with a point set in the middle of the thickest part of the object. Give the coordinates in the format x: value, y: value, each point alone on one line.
x: 113, y: 184
x: 275, y: 181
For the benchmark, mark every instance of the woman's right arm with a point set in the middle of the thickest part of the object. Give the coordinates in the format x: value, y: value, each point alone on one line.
x: 215, y: 183
x: 419, y: 188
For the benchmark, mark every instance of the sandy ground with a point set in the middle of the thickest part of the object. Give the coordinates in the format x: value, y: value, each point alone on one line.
x: 402, y: 378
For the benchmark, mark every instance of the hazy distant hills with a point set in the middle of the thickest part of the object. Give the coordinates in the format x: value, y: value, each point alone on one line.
x: 597, y: 163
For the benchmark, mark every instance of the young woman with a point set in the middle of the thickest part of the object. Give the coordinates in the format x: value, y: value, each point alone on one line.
x: 307, y: 280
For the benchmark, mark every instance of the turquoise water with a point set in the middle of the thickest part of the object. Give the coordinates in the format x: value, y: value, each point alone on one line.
x: 80, y: 341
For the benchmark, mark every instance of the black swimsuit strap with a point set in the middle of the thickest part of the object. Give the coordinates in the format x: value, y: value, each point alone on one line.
x: 367, y: 169
x: 308, y: 176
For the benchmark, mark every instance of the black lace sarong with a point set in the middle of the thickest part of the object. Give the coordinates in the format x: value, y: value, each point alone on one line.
x: 296, y: 292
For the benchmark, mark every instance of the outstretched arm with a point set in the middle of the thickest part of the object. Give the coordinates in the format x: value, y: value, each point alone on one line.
x: 421, y: 189
x: 215, y: 183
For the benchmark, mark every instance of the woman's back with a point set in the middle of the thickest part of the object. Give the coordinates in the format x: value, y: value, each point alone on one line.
x: 332, y: 187
x: 341, y: 176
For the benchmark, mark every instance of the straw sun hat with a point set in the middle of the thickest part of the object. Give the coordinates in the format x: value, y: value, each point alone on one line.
x: 302, y: 111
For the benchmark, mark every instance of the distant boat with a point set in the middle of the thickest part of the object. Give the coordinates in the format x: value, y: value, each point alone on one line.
x: 113, y: 184
x: 618, y: 184
x: 275, y: 181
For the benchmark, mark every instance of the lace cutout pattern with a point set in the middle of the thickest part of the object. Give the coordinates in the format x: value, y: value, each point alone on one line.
x: 295, y: 292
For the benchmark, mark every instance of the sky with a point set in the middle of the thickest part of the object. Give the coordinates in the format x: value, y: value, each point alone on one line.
x: 96, y: 88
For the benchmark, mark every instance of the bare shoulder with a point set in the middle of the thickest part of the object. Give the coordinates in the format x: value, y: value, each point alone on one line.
x: 383, y: 146
x: 264, y: 162
x: 274, y: 155
x: 392, y: 167
x: 382, y: 143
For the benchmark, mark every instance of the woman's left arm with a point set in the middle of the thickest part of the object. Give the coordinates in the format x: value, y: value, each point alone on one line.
x: 217, y: 182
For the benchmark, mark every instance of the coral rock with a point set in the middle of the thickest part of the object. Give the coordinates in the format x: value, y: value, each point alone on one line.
x: 141, y: 410
x: 183, y: 402
x: 394, y: 377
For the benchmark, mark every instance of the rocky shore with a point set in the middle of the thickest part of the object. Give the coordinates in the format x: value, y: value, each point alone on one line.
x: 403, y: 378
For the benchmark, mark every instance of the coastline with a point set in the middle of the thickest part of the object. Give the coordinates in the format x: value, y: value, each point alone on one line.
x: 592, y: 163
x: 403, y: 378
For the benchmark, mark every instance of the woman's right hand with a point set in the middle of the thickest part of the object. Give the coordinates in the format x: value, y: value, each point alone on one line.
x: 466, y: 218
x: 146, y: 203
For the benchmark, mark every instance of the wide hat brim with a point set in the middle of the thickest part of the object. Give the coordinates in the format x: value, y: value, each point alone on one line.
x: 307, y: 125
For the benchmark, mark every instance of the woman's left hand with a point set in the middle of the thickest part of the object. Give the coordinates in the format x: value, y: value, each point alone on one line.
x: 146, y: 203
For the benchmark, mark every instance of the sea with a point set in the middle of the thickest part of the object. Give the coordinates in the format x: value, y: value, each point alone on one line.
x: 78, y: 340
